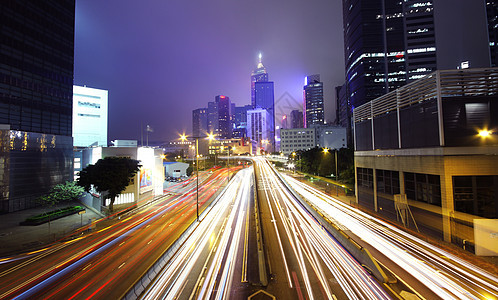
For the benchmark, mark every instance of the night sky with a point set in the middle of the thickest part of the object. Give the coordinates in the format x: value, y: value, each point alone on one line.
x: 160, y: 59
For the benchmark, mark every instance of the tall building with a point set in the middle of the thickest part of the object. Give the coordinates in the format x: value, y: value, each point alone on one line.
x: 258, y: 75
x: 90, y: 108
x: 199, y: 122
x: 224, y: 116
x: 262, y: 96
x: 258, y: 129
x: 296, y: 119
x: 212, y: 115
x: 36, y: 89
x: 313, y: 101
x: 240, y: 121
x: 388, y: 43
x: 492, y: 15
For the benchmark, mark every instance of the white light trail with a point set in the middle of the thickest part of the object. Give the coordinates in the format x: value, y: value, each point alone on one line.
x: 445, y: 274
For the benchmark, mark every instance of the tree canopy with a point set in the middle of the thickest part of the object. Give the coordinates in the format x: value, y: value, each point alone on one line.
x: 109, y: 176
x: 63, y: 192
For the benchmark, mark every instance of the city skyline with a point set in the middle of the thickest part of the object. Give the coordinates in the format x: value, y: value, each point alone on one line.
x: 148, y: 64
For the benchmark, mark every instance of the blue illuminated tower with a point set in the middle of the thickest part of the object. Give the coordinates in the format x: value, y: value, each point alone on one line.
x: 262, y: 96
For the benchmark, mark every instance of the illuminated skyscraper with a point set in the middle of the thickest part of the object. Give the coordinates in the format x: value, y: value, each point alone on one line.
x: 389, y: 43
x: 313, y: 101
x: 258, y: 75
x: 262, y: 96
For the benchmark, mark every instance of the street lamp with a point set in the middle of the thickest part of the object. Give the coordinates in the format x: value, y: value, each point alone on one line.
x: 183, y: 137
x: 299, y: 159
x: 326, y: 150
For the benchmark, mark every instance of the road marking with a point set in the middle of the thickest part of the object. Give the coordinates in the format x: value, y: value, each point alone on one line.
x: 121, y: 265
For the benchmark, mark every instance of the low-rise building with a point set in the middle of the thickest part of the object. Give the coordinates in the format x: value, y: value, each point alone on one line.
x: 302, y: 139
x: 146, y: 184
x: 175, y: 169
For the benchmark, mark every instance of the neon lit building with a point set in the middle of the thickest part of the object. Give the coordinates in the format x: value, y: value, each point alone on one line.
x: 313, y: 101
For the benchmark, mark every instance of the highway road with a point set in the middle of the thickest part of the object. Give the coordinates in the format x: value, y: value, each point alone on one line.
x: 431, y: 272
x: 107, y: 261
x: 213, y: 262
x: 304, y: 261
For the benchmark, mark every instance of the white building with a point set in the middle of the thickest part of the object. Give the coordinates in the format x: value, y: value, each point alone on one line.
x: 90, y: 109
x: 146, y: 184
x: 175, y: 169
x: 332, y: 137
x: 297, y: 139
x: 259, y: 129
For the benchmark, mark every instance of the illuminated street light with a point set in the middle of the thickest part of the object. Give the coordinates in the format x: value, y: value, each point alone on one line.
x: 484, y: 133
x: 184, y: 137
x: 325, y: 150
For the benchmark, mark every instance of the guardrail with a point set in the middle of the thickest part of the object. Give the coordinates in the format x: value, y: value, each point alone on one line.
x: 263, y: 276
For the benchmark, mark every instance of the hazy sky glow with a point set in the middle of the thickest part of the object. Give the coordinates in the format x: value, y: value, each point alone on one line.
x: 162, y: 59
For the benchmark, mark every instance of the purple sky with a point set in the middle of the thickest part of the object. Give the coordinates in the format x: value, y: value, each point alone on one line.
x: 160, y: 59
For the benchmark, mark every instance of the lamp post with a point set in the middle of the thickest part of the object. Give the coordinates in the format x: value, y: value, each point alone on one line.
x: 299, y: 158
x: 183, y: 137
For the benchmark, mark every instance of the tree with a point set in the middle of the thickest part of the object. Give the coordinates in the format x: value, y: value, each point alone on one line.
x: 109, y: 176
x: 63, y: 192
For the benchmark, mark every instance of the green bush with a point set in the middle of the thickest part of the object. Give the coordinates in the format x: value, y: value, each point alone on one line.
x: 52, y: 215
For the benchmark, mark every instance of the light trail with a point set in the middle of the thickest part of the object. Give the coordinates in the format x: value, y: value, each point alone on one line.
x: 312, y: 245
x: 215, y: 278
x: 59, y: 271
x: 447, y: 275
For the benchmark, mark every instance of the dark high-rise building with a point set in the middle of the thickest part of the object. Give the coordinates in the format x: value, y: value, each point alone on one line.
x: 200, y: 122
x: 213, y: 125
x: 240, y: 121
x: 492, y: 14
x: 36, y: 88
x: 296, y: 119
x: 262, y: 96
x: 224, y: 117
x: 241, y: 114
x: 313, y: 101
x: 388, y: 43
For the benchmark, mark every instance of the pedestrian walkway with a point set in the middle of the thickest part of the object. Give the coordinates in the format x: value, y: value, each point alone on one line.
x: 15, y: 239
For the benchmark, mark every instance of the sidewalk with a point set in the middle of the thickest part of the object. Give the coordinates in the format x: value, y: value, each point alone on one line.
x: 15, y: 239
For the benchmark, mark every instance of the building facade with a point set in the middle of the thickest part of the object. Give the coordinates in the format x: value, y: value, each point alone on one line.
x: 199, y: 122
x: 262, y: 96
x: 302, y: 139
x: 146, y: 184
x: 224, y: 116
x: 434, y: 141
x: 296, y: 139
x: 389, y: 43
x: 36, y: 88
x: 90, y: 110
x: 313, y: 101
x: 258, y: 129
x: 296, y: 117
x: 213, y: 124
